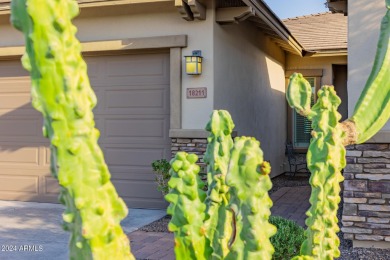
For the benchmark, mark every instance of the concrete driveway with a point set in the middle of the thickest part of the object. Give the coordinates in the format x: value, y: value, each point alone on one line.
x: 32, y: 231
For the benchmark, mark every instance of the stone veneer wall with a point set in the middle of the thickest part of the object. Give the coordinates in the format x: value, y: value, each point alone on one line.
x: 366, y: 212
x: 191, y: 145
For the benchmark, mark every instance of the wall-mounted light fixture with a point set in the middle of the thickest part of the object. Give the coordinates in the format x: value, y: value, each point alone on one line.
x: 194, y: 63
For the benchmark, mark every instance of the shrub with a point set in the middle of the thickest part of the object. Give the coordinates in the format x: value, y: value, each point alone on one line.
x: 161, y: 169
x: 288, y: 239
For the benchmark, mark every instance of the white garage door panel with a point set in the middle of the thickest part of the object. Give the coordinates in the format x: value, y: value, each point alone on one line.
x: 132, y: 116
x: 139, y: 194
x: 19, y: 184
x: 16, y: 155
x: 136, y: 128
x: 139, y: 98
x: 131, y: 191
x: 51, y: 186
x: 11, y: 101
x: 20, y: 127
x: 139, y: 67
x: 134, y: 101
x: 132, y: 156
x: 121, y: 72
x: 140, y: 173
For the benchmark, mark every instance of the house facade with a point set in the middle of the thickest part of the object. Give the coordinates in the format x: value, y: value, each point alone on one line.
x: 135, y: 55
x: 366, y: 212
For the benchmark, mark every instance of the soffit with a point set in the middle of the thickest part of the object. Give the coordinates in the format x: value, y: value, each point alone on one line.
x: 229, y: 3
x: 261, y: 16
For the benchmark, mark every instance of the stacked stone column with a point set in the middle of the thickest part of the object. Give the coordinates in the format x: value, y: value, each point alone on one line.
x: 366, y: 212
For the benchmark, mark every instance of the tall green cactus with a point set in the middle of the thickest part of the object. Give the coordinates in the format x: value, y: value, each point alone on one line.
x: 62, y: 93
x: 187, y: 208
x: 325, y: 159
x: 220, y: 142
x: 238, y: 206
x: 249, y: 183
x: 326, y: 154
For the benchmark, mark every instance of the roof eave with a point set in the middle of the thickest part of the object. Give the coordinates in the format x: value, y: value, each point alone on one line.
x: 327, y: 53
x: 264, y: 12
x: 338, y: 6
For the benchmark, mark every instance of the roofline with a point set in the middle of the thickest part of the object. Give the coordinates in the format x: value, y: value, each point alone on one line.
x: 326, y: 53
x: 263, y: 11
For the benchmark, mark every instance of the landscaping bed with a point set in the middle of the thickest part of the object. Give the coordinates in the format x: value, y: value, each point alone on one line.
x: 347, y: 252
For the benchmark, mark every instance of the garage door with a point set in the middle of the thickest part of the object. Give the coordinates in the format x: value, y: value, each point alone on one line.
x: 132, y: 115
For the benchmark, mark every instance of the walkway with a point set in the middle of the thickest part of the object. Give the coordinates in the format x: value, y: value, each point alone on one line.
x: 32, y: 231
x: 289, y: 202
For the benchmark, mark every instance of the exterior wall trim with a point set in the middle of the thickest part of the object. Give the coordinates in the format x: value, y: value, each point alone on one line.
x: 157, y: 42
x: 175, y: 88
x: 192, y: 133
x: 188, y: 133
x: 306, y: 72
x: 5, y: 8
x: 332, y: 53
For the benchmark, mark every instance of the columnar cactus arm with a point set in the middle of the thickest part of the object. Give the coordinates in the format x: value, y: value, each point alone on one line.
x: 187, y: 208
x: 220, y: 142
x: 249, y: 185
x: 373, y: 107
x: 62, y: 92
x: 325, y: 159
x: 299, y: 97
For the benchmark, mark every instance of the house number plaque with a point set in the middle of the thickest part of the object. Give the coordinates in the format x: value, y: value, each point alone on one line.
x: 196, y: 92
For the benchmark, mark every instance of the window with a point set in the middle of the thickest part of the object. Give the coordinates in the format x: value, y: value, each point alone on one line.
x: 301, y: 125
x: 298, y: 127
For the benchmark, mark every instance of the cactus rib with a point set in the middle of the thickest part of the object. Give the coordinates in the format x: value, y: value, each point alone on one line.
x: 325, y: 159
x: 187, y: 208
x: 249, y: 181
x: 62, y: 93
x: 373, y: 107
x: 220, y: 142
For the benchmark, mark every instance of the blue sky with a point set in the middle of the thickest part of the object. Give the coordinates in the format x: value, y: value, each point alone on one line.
x: 292, y: 8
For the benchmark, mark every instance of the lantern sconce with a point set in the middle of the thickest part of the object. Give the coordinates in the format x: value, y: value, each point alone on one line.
x: 194, y: 63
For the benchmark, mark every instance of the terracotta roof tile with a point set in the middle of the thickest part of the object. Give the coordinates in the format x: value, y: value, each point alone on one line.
x: 323, y: 31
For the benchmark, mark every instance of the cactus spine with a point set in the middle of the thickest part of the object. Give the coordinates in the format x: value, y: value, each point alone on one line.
x: 187, y: 208
x: 325, y: 159
x: 249, y: 183
x: 373, y: 107
x: 220, y: 142
x: 62, y: 93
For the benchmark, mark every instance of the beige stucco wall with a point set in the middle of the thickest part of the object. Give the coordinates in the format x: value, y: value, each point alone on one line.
x: 364, y: 18
x: 124, y: 23
x: 249, y: 83
x: 294, y: 62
